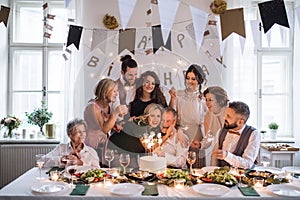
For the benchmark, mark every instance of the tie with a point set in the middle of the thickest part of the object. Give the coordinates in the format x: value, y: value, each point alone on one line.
x: 234, y: 132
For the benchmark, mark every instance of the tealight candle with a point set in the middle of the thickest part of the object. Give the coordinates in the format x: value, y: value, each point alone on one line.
x: 115, y: 172
x: 179, y: 183
x: 54, y: 175
x: 258, y: 182
x: 288, y: 176
x: 108, y: 181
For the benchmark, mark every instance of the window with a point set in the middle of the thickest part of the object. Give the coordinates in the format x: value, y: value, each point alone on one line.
x: 36, y: 64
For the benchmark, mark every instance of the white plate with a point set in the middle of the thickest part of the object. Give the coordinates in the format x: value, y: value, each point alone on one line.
x: 291, y: 169
x: 210, y: 189
x: 273, y: 170
x: 285, y: 190
x: 126, y: 189
x: 48, y: 188
x: 209, y: 169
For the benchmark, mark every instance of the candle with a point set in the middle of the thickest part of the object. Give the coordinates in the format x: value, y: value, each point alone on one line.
x: 265, y: 163
x: 108, y: 180
x: 115, y: 172
x: 54, y: 175
x: 288, y: 176
x: 179, y: 183
x: 258, y: 182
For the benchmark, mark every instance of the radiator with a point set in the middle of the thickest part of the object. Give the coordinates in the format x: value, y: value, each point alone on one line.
x: 15, y: 159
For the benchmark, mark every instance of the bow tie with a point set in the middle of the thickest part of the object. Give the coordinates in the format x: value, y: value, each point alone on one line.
x: 234, y: 132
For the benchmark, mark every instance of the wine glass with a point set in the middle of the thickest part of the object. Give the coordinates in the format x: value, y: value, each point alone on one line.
x: 265, y: 159
x: 40, y: 161
x: 64, y: 154
x: 124, y: 161
x: 109, y: 156
x: 71, y: 169
x: 191, y: 159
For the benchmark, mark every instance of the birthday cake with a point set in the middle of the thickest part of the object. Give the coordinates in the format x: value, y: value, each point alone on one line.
x: 153, y: 163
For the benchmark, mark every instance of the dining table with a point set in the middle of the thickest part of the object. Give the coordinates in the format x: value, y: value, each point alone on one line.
x: 22, y: 188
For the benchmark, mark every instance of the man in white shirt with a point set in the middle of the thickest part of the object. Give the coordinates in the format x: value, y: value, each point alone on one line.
x: 175, y: 143
x: 237, y: 144
x: 75, y: 149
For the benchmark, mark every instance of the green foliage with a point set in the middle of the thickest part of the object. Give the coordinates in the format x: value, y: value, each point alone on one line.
x: 39, y: 116
x: 273, y: 125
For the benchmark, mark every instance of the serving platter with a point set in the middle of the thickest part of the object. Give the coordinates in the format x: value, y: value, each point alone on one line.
x: 46, y: 188
x: 213, y: 190
x: 126, y: 189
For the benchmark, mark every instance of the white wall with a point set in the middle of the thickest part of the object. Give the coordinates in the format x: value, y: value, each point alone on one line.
x: 4, y: 64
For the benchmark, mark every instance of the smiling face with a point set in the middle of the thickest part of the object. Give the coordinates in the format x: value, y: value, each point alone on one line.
x: 112, y: 94
x: 78, y: 134
x: 191, y: 81
x: 148, y: 84
x: 233, y: 120
x: 130, y: 75
x: 154, y: 118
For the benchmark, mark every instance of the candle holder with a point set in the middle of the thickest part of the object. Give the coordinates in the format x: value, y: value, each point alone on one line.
x: 115, y: 172
x: 258, y: 182
x: 108, y: 180
x: 289, y: 176
x: 54, y: 175
x: 179, y: 183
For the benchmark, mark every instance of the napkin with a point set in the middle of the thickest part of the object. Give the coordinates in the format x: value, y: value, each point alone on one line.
x: 248, y: 191
x: 55, y: 169
x: 80, y: 190
x: 150, y: 189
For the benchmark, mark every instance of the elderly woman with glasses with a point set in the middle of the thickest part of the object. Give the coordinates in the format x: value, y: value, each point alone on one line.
x: 75, y: 149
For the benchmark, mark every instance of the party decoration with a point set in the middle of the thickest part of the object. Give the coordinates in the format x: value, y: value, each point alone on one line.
x: 49, y: 27
x: 99, y: 36
x: 47, y: 35
x: 154, y: 2
x: 157, y: 39
x: 74, y: 35
x: 298, y: 14
x: 50, y: 16
x: 232, y: 21
x: 127, y: 40
x: 110, y: 22
x: 218, y: 6
x: 126, y: 8
x: 67, y: 2
x: 4, y: 14
x: 45, y: 5
x: 272, y: 12
x: 199, y: 21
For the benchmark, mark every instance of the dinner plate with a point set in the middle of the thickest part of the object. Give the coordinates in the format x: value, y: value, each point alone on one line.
x: 210, y: 189
x: 273, y: 170
x: 209, y: 169
x: 47, y: 188
x: 285, y: 190
x: 292, y: 169
x: 126, y: 189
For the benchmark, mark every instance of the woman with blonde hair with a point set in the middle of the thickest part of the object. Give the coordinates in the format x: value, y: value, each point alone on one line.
x: 98, y: 116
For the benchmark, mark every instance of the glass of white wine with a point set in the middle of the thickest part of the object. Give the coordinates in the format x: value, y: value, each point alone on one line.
x: 124, y: 161
x: 40, y: 161
x: 191, y: 159
x: 109, y: 156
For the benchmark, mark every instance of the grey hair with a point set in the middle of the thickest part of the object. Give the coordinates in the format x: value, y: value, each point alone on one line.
x: 71, y: 124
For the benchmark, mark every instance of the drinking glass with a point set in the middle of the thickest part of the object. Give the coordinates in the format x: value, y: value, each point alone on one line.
x: 124, y: 161
x: 40, y: 161
x: 71, y: 169
x: 265, y: 159
x: 109, y: 156
x: 64, y: 154
x: 191, y: 159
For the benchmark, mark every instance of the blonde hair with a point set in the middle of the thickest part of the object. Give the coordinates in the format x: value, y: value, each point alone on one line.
x: 103, y: 88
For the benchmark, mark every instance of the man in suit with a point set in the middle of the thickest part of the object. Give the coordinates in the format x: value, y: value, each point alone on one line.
x: 237, y: 144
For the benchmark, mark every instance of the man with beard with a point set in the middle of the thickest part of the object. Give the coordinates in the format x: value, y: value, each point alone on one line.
x: 237, y: 144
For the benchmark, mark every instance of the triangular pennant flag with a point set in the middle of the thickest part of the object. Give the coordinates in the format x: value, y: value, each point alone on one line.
x: 242, y: 44
x: 49, y: 27
x: 298, y: 15
x: 74, y: 35
x: 199, y: 21
x: 232, y: 21
x: 126, y: 8
x: 167, y: 12
x: 190, y: 29
x: 4, y: 14
x: 272, y: 12
x: 67, y: 2
x: 127, y: 40
x: 50, y: 16
x: 45, y: 5
x: 269, y: 37
x: 255, y: 32
x: 221, y: 42
x: 157, y: 39
x: 99, y: 35
x: 47, y: 35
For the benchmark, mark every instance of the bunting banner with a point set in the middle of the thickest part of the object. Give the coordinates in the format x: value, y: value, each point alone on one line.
x: 4, y: 14
x: 167, y: 12
x: 99, y: 36
x: 157, y: 39
x: 232, y: 21
x: 199, y: 21
x: 127, y: 40
x: 272, y: 12
x: 45, y: 5
x: 74, y: 35
x: 298, y: 14
x: 67, y: 2
x: 255, y: 32
x: 126, y: 8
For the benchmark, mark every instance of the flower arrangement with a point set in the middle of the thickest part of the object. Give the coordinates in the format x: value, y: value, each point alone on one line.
x: 110, y: 22
x: 40, y: 116
x: 273, y: 126
x: 11, y: 122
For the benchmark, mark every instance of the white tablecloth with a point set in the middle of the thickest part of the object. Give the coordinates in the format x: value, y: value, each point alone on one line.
x: 21, y: 189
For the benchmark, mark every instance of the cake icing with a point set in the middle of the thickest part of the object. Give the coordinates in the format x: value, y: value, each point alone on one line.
x: 153, y: 163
